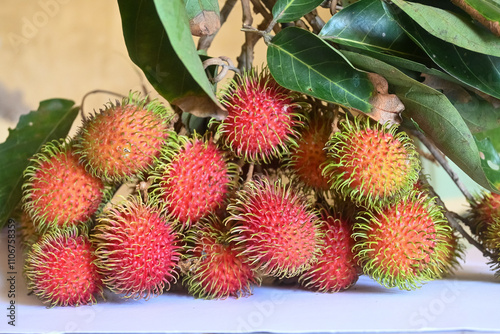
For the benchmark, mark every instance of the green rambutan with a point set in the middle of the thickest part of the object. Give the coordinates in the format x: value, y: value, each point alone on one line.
x: 217, y: 269
x: 396, y: 244
x: 193, y: 177
x: 122, y: 140
x: 262, y: 120
x: 58, y: 191
x: 277, y: 229
x: 306, y: 160
x: 370, y: 163
x: 336, y: 269
x: 60, y: 269
x: 137, y: 249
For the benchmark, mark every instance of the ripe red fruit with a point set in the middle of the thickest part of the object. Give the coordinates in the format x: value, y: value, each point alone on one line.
x: 193, y: 177
x: 60, y: 269
x: 397, y: 243
x: 371, y: 163
x: 262, y: 118
x: 484, y: 209
x: 58, y: 191
x: 276, y: 228
x: 336, y: 269
x: 217, y: 267
x: 136, y: 249
x: 122, y: 140
x: 309, y: 156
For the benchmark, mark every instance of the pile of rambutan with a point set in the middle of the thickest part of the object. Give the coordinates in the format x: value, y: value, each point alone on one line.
x: 279, y: 188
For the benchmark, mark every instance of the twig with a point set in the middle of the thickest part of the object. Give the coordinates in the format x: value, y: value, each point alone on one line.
x: 96, y: 91
x: 444, y: 163
x: 250, y: 172
x: 205, y: 41
x: 315, y: 21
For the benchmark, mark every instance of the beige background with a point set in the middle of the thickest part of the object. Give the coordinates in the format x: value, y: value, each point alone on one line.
x: 66, y: 48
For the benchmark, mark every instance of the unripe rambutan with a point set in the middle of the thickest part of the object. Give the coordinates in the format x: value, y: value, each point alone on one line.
x: 137, y: 250
x: 277, y: 229
x: 58, y: 191
x: 262, y: 120
x: 370, y: 163
x: 122, y: 140
x: 335, y: 269
x: 60, y: 269
x: 306, y: 160
x: 217, y: 268
x: 193, y: 177
x: 396, y: 244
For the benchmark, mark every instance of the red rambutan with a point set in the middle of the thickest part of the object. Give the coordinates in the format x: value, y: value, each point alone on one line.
x: 371, y: 163
x: 193, y: 177
x: 262, y: 120
x: 396, y: 244
x: 58, y: 191
x: 60, y: 269
x: 277, y: 229
x: 122, y: 140
x: 137, y: 250
x: 217, y: 269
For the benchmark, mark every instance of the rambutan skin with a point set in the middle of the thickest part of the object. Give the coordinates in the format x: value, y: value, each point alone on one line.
x: 58, y: 191
x: 484, y: 209
x: 137, y: 249
x: 262, y: 119
x: 60, y: 269
x: 217, y: 267
x: 396, y: 244
x: 277, y: 229
x: 335, y: 269
x: 122, y: 140
x: 307, y: 159
x: 370, y: 163
x: 193, y: 177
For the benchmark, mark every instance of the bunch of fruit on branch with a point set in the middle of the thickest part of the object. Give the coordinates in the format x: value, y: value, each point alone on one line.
x: 280, y: 188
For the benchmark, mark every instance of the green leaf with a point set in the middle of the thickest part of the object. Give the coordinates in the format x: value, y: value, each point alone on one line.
x: 452, y: 27
x: 366, y: 25
x: 181, y: 81
x: 52, y: 120
x: 292, y: 10
x: 490, y: 9
x: 196, y: 7
x: 490, y: 160
x: 435, y: 115
x: 301, y: 61
x: 493, y: 135
x: 472, y: 68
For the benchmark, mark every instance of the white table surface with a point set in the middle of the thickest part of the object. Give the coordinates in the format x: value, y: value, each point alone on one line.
x: 467, y: 301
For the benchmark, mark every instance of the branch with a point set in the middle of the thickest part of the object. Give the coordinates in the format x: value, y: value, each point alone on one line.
x: 444, y: 163
x: 315, y: 21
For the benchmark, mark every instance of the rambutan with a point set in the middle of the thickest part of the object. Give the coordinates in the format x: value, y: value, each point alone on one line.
x: 306, y: 160
x: 335, y: 270
x: 370, y: 163
x: 60, y: 269
x: 58, y: 191
x: 483, y: 210
x: 137, y: 249
x: 193, y: 177
x: 217, y: 268
x: 277, y: 229
x: 262, y: 120
x: 396, y: 244
x: 123, y: 139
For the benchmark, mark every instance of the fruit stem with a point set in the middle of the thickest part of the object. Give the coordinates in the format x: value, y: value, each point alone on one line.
x: 444, y: 163
x: 250, y: 172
